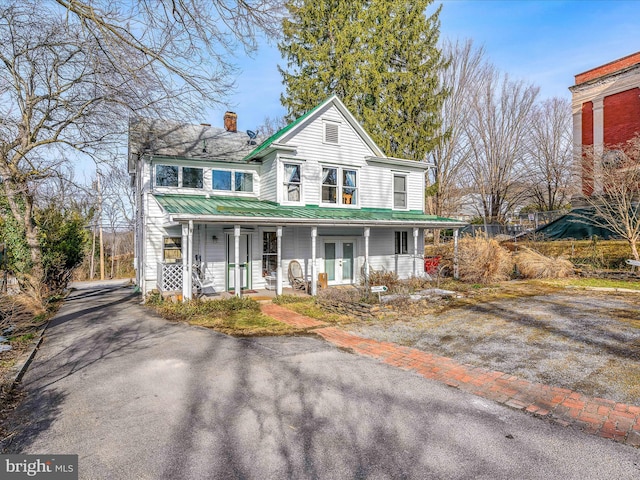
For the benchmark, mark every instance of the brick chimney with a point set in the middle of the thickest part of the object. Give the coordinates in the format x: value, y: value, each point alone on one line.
x: 231, y: 122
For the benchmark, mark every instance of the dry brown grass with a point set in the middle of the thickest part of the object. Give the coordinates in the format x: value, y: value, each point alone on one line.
x: 532, y: 264
x: 483, y: 260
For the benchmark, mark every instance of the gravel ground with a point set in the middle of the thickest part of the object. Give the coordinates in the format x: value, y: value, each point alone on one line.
x: 586, y: 341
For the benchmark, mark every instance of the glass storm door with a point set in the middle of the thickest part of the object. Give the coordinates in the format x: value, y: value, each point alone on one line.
x: 339, y: 261
x: 245, y: 264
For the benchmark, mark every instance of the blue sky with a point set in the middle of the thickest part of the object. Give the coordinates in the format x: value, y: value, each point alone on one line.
x: 544, y: 42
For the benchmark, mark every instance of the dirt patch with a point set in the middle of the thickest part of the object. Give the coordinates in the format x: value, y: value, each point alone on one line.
x: 585, y: 341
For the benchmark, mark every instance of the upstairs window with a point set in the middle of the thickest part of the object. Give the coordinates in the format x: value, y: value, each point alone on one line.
x: 243, y: 182
x: 174, y: 176
x: 331, y: 130
x: 192, y: 177
x: 221, y: 180
x: 229, y: 181
x: 349, y: 187
x: 402, y: 243
x: 292, y: 184
x: 166, y: 176
x: 329, y: 185
x: 400, y: 191
x: 344, y: 191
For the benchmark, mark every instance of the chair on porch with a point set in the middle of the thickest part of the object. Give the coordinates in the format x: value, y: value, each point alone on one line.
x: 296, y: 277
x: 199, y: 285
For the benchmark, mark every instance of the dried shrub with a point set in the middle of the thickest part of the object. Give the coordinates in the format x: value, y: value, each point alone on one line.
x: 482, y: 260
x: 532, y: 264
x: 345, y: 295
x: 383, y: 277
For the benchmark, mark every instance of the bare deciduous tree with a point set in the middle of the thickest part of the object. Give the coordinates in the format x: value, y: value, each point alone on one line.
x: 618, y: 207
x: 72, y: 72
x: 497, y: 131
x: 550, y: 154
x: 451, y: 154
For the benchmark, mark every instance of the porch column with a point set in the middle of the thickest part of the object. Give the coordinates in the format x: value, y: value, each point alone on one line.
x: 367, y: 233
x: 415, y: 251
x: 314, y: 269
x: 185, y: 265
x: 236, y: 260
x: 279, y: 261
x: 455, y: 253
x: 189, y: 278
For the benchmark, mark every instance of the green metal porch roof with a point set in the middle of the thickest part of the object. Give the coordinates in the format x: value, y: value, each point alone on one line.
x: 219, y: 208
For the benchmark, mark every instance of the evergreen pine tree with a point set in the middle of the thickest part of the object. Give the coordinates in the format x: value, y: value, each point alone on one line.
x: 379, y: 56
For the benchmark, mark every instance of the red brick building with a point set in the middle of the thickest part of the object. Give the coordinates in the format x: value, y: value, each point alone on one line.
x: 606, y: 113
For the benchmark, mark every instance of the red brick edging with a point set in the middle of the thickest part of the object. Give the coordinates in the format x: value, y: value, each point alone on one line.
x: 597, y: 416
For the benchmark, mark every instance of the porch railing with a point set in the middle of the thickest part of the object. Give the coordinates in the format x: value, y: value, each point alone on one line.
x: 169, y: 277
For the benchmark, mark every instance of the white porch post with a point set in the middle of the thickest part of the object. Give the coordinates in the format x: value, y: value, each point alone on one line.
x: 279, y: 261
x: 189, y: 279
x: 415, y: 251
x: 314, y: 269
x: 367, y: 233
x: 455, y: 253
x: 185, y: 263
x: 236, y: 261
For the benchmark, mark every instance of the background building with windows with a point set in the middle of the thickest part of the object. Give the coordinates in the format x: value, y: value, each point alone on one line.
x: 606, y: 114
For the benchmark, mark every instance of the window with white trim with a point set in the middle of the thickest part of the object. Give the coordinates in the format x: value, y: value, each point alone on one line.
x: 166, y: 176
x: 175, y: 176
x: 402, y: 243
x: 399, y: 191
x: 292, y: 182
x: 172, y: 249
x: 339, y: 185
x: 232, y: 181
x: 192, y: 177
x: 243, y: 182
x: 269, y: 253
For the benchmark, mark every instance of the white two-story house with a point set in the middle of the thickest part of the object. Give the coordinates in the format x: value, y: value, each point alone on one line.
x: 319, y: 192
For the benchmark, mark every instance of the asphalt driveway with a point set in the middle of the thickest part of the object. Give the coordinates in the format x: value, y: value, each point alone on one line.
x: 136, y: 396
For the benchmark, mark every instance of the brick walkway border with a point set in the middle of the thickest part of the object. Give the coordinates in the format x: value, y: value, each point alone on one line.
x: 596, y: 416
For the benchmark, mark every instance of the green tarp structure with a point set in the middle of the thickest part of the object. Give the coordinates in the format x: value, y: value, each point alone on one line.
x: 574, y: 225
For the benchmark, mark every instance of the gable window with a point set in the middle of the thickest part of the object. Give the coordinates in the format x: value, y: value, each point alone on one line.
x: 399, y: 191
x: 402, y: 245
x: 243, y: 182
x: 166, y: 176
x: 269, y: 253
x: 331, y: 132
x: 172, y: 249
x: 346, y: 190
x: 292, y: 182
x: 221, y: 180
x: 192, y: 177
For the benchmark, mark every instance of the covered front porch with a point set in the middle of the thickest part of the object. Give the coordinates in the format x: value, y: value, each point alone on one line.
x: 224, y: 246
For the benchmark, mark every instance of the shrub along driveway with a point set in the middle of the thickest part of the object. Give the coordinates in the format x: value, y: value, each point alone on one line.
x: 582, y: 340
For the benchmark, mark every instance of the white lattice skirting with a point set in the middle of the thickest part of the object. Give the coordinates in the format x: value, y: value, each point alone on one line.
x: 170, y: 277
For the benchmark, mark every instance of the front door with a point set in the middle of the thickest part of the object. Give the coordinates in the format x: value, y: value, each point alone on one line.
x: 245, y: 263
x: 339, y: 261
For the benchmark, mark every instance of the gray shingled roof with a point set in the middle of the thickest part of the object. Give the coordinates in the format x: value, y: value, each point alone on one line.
x: 175, y: 139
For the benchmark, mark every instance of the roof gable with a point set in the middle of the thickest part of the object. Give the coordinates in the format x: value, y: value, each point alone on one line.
x: 301, y: 122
